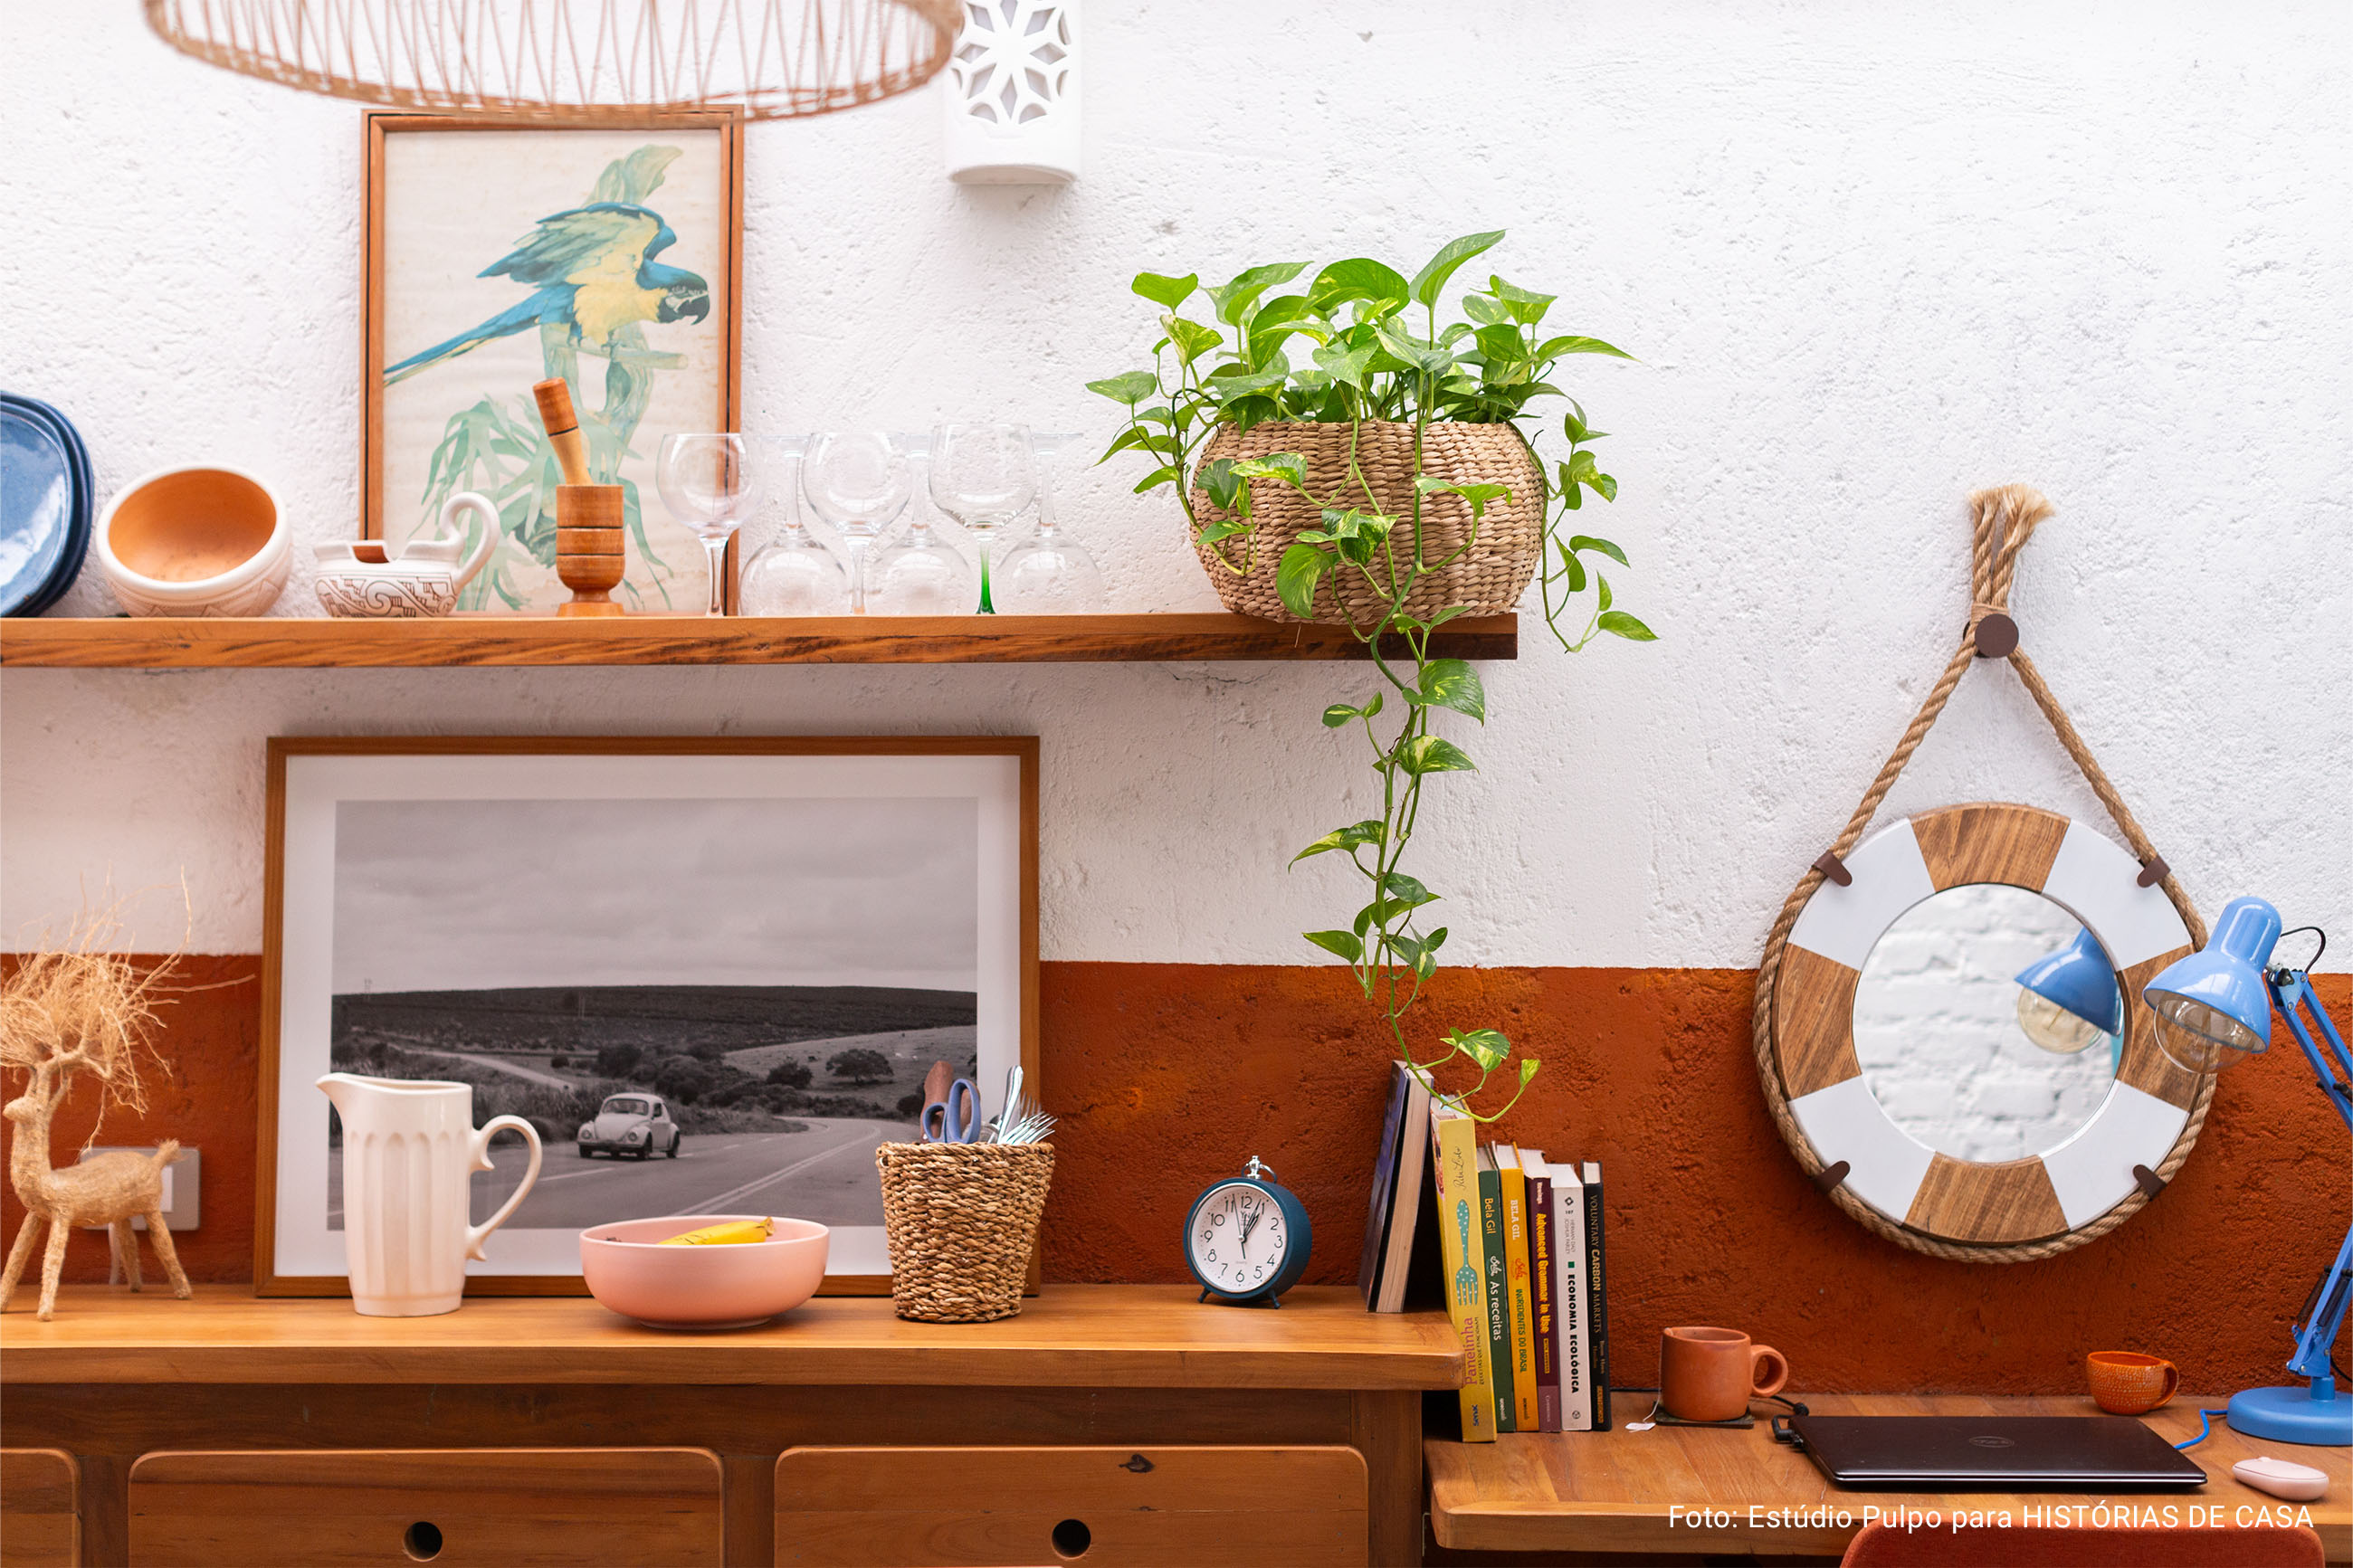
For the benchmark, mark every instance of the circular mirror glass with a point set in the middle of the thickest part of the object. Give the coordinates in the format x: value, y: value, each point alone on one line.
x: 1988, y: 1023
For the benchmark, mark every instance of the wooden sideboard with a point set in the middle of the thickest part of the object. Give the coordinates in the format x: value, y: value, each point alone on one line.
x: 1128, y: 1421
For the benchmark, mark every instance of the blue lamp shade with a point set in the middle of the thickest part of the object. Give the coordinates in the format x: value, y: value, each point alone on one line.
x: 2213, y: 1007
x: 2069, y: 999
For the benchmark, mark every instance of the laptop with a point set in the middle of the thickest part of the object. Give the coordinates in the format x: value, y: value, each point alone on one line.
x: 2011, y: 1453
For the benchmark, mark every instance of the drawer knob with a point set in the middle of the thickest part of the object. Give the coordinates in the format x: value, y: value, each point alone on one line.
x: 1071, y: 1538
x: 422, y: 1541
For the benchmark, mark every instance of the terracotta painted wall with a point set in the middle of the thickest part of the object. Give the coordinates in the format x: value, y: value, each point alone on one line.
x: 1169, y: 1075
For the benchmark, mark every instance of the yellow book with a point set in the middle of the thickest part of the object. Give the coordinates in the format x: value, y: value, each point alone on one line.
x: 1453, y: 1138
x: 1520, y: 1297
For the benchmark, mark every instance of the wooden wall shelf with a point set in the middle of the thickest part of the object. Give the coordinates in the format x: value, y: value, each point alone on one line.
x: 276, y: 643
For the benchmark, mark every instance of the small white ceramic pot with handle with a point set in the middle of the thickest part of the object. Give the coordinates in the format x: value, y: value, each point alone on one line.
x: 410, y: 1148
x: 366, y: 579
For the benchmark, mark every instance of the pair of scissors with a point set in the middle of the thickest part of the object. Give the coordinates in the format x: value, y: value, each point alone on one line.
x: 957, y: 1119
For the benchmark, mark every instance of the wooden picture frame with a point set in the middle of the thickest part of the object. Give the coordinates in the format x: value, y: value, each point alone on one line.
x: 338, y: 799
x: 488, y: 229
x: 1985, y: 1211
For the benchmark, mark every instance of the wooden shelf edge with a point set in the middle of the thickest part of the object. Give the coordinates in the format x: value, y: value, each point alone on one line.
x: 491, y: 641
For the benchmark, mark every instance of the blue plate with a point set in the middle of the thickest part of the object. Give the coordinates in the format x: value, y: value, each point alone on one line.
x: 46, y: 501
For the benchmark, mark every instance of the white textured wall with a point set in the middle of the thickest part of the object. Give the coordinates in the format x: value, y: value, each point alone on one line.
x: 1871, y: 256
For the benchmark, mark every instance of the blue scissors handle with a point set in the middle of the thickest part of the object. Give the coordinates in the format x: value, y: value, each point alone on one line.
x: 956, y: 1119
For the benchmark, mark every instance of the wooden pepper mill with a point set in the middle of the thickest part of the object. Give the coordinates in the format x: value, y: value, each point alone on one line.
x: 591, y: 555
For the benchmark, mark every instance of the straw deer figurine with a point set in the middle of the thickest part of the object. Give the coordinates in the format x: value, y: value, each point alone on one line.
x: 64, y: 1014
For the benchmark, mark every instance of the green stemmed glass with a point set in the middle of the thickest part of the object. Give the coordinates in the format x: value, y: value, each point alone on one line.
x: 983, y: 476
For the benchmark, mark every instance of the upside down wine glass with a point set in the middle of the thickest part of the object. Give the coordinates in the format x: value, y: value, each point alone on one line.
x: 1049, y: 573
x: 792, y: 574
x: 982, y: 475
x: 859, y: 481
x: 711, y: 483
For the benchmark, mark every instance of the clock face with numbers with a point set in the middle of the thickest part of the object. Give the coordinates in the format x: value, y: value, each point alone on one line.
x: 1239, y: 1242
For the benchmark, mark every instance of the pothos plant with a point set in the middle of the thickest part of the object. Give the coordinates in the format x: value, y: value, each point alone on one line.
x: 1373, y: 350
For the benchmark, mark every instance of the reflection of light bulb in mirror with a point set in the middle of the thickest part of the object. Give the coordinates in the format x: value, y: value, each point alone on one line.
x: 2053, y: 1027
x: 2068, y: 998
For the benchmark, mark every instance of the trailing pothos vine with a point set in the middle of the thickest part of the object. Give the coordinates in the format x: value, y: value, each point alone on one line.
x: 1375, y: 351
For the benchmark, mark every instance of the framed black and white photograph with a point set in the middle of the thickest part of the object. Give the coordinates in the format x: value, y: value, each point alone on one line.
x: 712, y: 974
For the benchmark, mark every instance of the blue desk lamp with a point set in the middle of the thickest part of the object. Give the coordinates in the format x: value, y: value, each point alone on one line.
x: 2212, y: 1008
x: 2069, y: 999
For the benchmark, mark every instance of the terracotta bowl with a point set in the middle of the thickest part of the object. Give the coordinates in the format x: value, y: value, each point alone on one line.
x: 195, y: 541
x: 729, y: 1287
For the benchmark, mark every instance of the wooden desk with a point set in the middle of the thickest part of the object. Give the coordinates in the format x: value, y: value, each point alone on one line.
x: 1620, y: 1492
x: 114, y: 1377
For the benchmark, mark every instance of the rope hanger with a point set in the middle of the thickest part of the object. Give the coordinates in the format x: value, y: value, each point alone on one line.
x: 2002, y: 520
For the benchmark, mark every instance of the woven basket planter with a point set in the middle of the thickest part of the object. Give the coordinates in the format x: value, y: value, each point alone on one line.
x: 962, y: 1219
x: 1487, y: 581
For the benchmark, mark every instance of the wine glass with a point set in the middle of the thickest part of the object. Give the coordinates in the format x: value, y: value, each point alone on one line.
x: 1051, y: 574
x: 711, y: 483
x: 860, y: 482
x: 920, y: 574
x: 982, y: 477
x: 792, y: 574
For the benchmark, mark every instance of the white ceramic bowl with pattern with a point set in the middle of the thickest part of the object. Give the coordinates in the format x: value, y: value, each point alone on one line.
x: 195, y: 542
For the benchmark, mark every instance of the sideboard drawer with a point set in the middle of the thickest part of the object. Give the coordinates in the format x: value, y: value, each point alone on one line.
x: 40, y: 1509
x: 447, y: 1506
x: 1106, y: 1507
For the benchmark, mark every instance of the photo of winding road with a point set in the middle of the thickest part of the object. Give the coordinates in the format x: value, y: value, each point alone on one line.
x: 778, y: 1009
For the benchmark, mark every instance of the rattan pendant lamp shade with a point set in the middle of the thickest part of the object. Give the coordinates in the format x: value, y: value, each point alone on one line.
x: 551, y: 58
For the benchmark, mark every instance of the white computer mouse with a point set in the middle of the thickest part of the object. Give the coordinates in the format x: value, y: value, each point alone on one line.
x: 2297, y: 1483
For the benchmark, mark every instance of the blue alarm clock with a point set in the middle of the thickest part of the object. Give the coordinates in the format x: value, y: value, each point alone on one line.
x: 1247, y: 1238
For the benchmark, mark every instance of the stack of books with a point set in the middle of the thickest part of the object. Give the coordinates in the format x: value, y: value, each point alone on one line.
x: 1512, y: 1245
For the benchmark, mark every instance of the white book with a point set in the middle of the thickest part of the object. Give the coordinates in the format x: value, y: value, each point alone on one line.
x: 1574, y: 1312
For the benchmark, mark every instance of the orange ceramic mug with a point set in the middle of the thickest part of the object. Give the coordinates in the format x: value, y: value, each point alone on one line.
x: 2126, y: 1383
x: 1710, y: 1375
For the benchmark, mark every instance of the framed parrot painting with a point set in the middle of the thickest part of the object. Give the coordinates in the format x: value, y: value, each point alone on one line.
x: 603, y: 251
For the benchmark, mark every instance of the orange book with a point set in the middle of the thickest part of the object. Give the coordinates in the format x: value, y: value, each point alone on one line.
x: 1520, y: 1295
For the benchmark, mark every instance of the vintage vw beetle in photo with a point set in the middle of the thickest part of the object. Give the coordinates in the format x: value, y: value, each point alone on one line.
x: 638, y: 1124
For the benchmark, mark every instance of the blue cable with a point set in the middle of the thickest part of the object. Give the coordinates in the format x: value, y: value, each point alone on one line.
x: 2204, y: 1431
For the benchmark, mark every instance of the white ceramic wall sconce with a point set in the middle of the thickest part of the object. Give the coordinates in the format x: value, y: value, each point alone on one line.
x: 1012, y: 98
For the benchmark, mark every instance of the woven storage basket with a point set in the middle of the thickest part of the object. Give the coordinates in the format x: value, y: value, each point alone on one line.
x: 962, y: 1220
x: 1487, y: 581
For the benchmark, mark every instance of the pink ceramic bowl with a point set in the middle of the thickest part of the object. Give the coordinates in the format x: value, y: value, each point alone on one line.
x: 738, y: 1286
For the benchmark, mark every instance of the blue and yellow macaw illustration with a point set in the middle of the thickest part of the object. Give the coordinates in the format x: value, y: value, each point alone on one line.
x: 593, y: 272
x: 596, y: 286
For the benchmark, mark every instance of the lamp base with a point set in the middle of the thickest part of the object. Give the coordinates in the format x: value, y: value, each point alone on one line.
x: 2292, y: 1416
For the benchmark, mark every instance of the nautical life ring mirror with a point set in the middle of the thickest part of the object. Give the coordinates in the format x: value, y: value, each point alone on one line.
x: 1948, y: 1022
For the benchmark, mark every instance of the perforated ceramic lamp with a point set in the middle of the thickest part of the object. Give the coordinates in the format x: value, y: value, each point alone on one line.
x: 2213, y: 1008
x: 2069, y: 1000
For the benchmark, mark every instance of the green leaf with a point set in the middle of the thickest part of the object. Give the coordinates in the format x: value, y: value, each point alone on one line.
x: 1371, y: 831
x: 1553, y: 348
x: 1166, y: 474
x: 1430, y: 359
x: 1488, y: 1047
x: 1210, y: 533
x: 1604, y: 585
x: 1486, y: 309
x: 1526, y: 308
x: 1166, y: 292
x: 1131, y: 389
x: 1620, y: 624
x: 1573, y: 567
x: 1429, y: 754
x: 1343, y: 364
x: 1435, y: 940
x: 1359, y: 278
x: 1431, y: 279
x: 1192, y: 339
x: 1502, y: 346
x: 1587, y: 542
x: 1235, y: 297
x: 1529, y: 1066
x: 1297, y: 577
x: 1572, y: 423
x: 1399, y: 888
x: 1452, y: 683
x: 1345, y: 943
x: 1289, y: 467
x: 1479, y: 495
x: 1340, y: 713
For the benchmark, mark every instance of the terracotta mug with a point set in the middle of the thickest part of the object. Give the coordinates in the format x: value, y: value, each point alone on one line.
x: 2126, y: 1383
x: 1711, y: 1374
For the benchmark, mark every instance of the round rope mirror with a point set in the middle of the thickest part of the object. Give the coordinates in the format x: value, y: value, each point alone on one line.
x: 1948, y: 1022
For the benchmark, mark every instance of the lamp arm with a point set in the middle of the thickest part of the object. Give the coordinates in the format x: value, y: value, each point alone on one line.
x: 2315, y: 1337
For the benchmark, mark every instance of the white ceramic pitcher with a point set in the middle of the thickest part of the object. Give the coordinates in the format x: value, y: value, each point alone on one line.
x: 410, y: 1149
